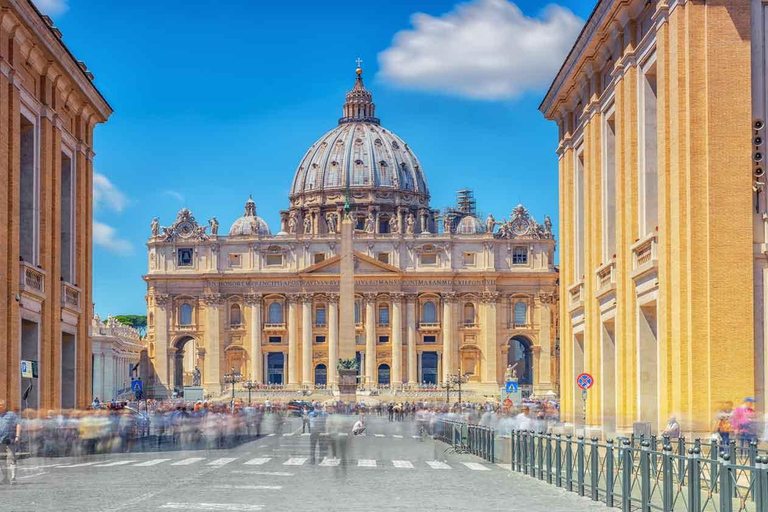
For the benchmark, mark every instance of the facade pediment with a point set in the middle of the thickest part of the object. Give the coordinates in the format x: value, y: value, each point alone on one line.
x: 363, y: 265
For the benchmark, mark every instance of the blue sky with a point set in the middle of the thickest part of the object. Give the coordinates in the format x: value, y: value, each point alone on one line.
x: 215, y: 100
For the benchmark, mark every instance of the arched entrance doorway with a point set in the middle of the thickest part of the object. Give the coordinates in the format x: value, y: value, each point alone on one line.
x: 275, y: 362
x: 520, y: 357
x: 383, y: 375
x: 184, y: 363
x: 321, y: 375
x: 429, y: 367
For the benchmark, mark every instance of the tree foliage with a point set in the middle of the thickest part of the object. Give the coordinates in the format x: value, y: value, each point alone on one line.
x: 137, y: 321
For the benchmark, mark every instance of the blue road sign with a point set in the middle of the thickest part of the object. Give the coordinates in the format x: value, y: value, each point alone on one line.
x: 136, y: 386
x: 511, y: 386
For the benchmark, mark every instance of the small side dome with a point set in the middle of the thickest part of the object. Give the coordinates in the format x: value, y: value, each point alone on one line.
x: 249, y: 224
x: 470, y: 225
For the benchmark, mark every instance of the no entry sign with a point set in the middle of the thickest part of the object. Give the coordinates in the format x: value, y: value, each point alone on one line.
x: 585, y: 381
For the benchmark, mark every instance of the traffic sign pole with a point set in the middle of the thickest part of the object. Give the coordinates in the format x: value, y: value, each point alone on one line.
x: 584, y: 381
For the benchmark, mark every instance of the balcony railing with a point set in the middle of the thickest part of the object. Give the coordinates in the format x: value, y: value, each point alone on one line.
x: 429, y: 326
x: 606, y: 278
x: 576, y: 295
x: 469, y: 325
x: 383, y: 325
x: 70, y: 296
x: 644, y: 255
x: 32, y: 279
x: 320, y: 325
x: 274, y: 327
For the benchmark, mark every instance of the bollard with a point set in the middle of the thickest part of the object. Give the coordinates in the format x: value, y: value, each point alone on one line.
x: 626, y: 476
x: 609, y: 473
x: 645, y: 475
x: 580, y: 458
x: 568, y: 464
x: 558, y: 461
x: 668, y: 488
x: 594, y: 465
x: 726, y: 501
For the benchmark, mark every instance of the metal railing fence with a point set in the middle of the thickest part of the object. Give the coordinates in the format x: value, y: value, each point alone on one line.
x: 467, y: 438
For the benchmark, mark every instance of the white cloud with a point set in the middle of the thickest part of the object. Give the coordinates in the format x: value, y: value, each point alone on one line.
x: 107, y: 195
x: 483, y: 49
x: 176, y: 195
x: 106, y: 236
x: 52, y: 7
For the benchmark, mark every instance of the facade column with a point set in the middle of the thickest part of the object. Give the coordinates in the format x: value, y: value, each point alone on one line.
x: 293, y: 341
x: 370, y: 337
x: 333, y: 337
x: 448, y: 329
x: 212, y: 348
x: 257, y: 369
x: 489, y: 301
x: 542, y: 378
x: 306, y: 339
x: 397, y: 340
x: 162, y: 384
x: 410, y: 326
x: 98, y: 377
x: 265, y: 371
x: 439, y: 368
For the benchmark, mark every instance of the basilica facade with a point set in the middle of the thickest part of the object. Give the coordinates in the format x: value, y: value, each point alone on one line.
x: 437, y: 293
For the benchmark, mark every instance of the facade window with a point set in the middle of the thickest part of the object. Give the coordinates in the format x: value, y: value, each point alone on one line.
x: 469, y: 313
x: 430, y: 339
x: 384, y: 225
x: 383, y: 339
x: 521, y: 313
x: 275, y: 313
x: 357, y: 311
x: 275, y: 339
x: 28, y: 190
x: 321, y: 375
x: 185, y: 257
x: 235, y: 317
x: 383, y: 379
x: 319, y: 257
x: 384, y: 314
x: 609, y: 187
x: 578, y: 214
x: 360, y: 223
x: 469, y: 259
x: 383, y: 257
x: 429, y: 258
x: 185, y: 314
x: 429, y: 315
x: 320, y: 315
x: 235, y: 260
x: 67, y: 218
x: 319, y: 339
x: 649, y: 180
x: 274, y: 260
x: 520, y: 255
x: 359, y: 339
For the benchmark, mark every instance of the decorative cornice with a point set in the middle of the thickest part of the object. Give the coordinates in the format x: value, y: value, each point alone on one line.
x: 162, y: 299
x: 292, y: 298
x: 490, y: 297
x: 332, y: 298
x: 253, y: 299
x: 449, y: 297
x: 212, y: 299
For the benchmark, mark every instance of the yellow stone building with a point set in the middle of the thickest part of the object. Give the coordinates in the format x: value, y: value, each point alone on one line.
x: 48, y: 110
x: 435, y: 293
x: 657, y: 204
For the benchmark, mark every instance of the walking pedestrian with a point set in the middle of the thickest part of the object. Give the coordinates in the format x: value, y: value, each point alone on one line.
x: 10, y: 435
x: 305, y: 419
x: 743, y: 422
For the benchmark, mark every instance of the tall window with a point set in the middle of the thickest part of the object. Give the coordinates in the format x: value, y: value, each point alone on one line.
x: 235, y: 317
x: 609, y: 187
x: 185, y: 314
x: 384, y: 314
x: 430, y: 313
x: 185, y: 257
x: 67, y: 218
x: 649, y: 208
x: 520, y: 255
x: 383, y: 224
x: 28, y: 192
x: 578, y: 206
x: 320, y: 315
x: 521, y: 313
x: 357, y: 312
x: 275, y: 313
x: 469, y: 313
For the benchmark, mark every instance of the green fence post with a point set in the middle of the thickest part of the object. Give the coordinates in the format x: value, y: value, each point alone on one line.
x: 580, y: 470
x: 594, y: 465
x: 668, y: 497
x: 532, y: 455
x: 549, y: 458
x: 541, y: 456
x: 713, y: 450
x: 726, y: 499
x: 645, y: 475
x: 609, y: 472
x: 568, y: 463
x: 626, y: 476
x: 694, y: 482
x: 558, y: 461
x: 760, y: 485
x: 752, y: 464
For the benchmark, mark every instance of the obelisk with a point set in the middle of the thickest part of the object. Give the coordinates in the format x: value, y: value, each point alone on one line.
x: 347, y: 289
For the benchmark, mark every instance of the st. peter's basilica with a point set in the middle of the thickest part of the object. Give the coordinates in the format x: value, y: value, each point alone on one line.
x: 437, y: 293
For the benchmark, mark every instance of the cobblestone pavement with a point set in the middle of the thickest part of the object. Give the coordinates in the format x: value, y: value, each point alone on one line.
x: 390, y: 468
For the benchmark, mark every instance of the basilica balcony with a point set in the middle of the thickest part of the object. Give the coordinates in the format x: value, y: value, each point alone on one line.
x: 429, y: 326
x: 274, y: 327
x: 32, y: 280
x: 576, y: 296
x: 359, y: 326
x: 513, y: 325
x: 70, y: 297
x: 320, y: 325
x: 383, y: 325
x: 645, y: 259
x: 469, y: 326
x: 605, y: 281
x: 186, y: 327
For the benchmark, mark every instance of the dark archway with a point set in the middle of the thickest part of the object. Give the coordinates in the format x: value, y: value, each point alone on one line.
x: 429, y: 367
x: 520, y: 357
x: 321, y: 375
x: 383, y: 375
x: 178, y: 362
x: 275, y: 364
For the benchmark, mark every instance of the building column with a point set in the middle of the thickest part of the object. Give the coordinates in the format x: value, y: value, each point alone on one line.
x: 542, y: 376
x: 293, y: 341
x: 333, y: 337
x: 419, y: 368
x: 370, y: 337
x: 98, y: 377
x: 285, y: 369
x: 257, y: 369
x: 397, y: 340
x: 439, y: 368
x: 306, y: 339
x: 212, y: 347
x: 410, y: 326
x: 264, y: 374
x: 162, y: 384
x: 489, y: 302
x: 448, y: 328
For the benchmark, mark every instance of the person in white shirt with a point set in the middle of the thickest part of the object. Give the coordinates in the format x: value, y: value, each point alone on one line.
x: 359, y: 427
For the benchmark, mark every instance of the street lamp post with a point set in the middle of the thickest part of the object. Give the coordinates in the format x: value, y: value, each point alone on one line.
x: 454, y: 381
x: 232, y: 378
x: 249, y: 385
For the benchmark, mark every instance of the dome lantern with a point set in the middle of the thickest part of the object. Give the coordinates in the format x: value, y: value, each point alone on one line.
x: 359, y: 106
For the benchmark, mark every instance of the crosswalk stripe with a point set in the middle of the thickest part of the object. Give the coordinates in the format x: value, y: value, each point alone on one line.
x: 396, y: 436
x: 81, y: 465
x: 258, y: 461
x: 110, y: 464
x: 271, y: 435
x: 416, y: 437
x: 262, y: 473
x: 187, y: 462
x: 378, y: 435
x: 211, y: 506
x: 330, y: 462
x: 436, y: 464
x: 343, y: 434
x: 295, y: 461
x: 403, y: 464
x: 154, y: 462
x: 249, y: 487
x: 222, y: 461
x: 305, y: 433
x: 475, y: 466
x: 366, y: 463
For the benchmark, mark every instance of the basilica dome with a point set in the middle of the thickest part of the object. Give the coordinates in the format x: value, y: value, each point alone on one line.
x: 470, y: 225
x: 249, y: 224
x: 375, y: 163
